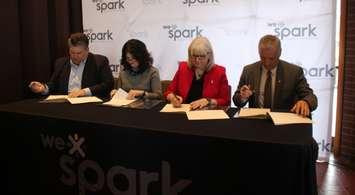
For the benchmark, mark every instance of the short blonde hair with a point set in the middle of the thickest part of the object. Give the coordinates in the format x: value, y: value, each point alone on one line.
x: 201, y: 46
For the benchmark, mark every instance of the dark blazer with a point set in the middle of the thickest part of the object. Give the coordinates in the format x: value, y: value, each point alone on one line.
x: 291, y: 86
x: 97, y: 76
x: 215, y: 84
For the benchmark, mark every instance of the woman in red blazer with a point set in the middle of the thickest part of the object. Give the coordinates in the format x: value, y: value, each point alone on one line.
x: 199, y: 81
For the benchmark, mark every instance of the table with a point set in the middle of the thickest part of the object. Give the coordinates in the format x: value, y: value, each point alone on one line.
x: 59, y: 148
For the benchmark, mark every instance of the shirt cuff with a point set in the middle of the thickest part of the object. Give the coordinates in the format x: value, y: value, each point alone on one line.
x: 87, y: 92
x: 243, y: 100
x: 46, y: 90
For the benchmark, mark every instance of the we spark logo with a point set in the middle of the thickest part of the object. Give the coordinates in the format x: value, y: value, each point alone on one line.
x: 190, y: 3
x: 78, y: 172
x: 284, y: 31
x: 99, y: 36
x: 73, y: 144
x: 133, y: 181
x: 324, y: 146
x: 105, y: 6
x: 175, y: 33
x: 325, y: 71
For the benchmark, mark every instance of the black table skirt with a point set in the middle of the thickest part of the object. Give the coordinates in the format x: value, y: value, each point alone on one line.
x: 60, y: 148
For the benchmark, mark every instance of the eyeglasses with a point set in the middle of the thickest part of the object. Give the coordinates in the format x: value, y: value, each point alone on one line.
x: 200, y: 57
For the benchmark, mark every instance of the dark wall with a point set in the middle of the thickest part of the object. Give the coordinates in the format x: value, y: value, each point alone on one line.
x: 10, y: 53
x: 34, y: 34
x: 347, y: 146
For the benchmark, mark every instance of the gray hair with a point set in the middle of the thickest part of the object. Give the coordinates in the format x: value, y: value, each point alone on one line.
x: 270, y: 41
x: 201, y: 46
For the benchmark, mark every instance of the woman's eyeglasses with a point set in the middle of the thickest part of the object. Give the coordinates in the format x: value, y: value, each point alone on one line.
x: 200, y: 57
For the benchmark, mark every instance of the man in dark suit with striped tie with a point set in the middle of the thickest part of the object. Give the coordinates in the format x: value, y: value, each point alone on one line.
x: 274, y: 83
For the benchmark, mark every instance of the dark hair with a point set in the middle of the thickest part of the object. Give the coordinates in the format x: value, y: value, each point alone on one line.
x: 78, y: 39
x: 139, y: 51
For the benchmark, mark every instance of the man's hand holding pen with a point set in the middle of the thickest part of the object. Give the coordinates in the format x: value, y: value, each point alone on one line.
x: 245, y: 92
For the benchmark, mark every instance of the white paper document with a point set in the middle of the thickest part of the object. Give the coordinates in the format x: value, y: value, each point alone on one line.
x: 56, y: 97
x: 82, y: 100
x: 118, y: 102
x: 171, y: 108
x: 260, y: 113
x: 284, y: 118
x: 206, y: 115
x: 120, y: 94
x: 119, y: 99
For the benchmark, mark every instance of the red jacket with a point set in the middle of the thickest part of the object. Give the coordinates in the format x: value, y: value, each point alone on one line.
x: 215, y: 84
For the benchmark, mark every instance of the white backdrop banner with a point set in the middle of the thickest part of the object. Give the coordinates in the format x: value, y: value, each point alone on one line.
x: 306, y: 29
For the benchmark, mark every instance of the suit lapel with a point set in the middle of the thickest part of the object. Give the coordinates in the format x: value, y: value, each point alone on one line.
x: 256, y: 81
x: 86, y: 71
x: 278, y: 85
x: 66, y: 74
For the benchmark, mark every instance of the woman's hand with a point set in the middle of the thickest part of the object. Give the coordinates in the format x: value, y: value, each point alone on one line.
x: 198, y: 104
x: 133, y: 93
x: 113, y: 92
x: 175, y: 100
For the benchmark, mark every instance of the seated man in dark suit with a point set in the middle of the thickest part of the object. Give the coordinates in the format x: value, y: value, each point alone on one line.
x: 80, y: 74
x: 274, y: 83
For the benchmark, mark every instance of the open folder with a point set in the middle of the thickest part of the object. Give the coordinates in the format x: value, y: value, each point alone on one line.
x: 285, y: 118
x: 55, y: 99
x: 278, y: 118
x: 259, y: 113
x: 83, y: 100
x: 196, y: 114
x: 65, y: 98
x: 206, y: 115
x: 118, y: 102
x: 171, y: 108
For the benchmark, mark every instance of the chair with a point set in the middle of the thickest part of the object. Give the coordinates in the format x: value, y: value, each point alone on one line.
x: 164, y: 85
x: 115, y: 82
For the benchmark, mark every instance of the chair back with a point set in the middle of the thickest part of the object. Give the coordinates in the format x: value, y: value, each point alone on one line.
x: 164, y: 85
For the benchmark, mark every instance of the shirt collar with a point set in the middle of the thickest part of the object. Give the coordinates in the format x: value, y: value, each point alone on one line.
x: 82, y: 63
x: 273, y: 71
